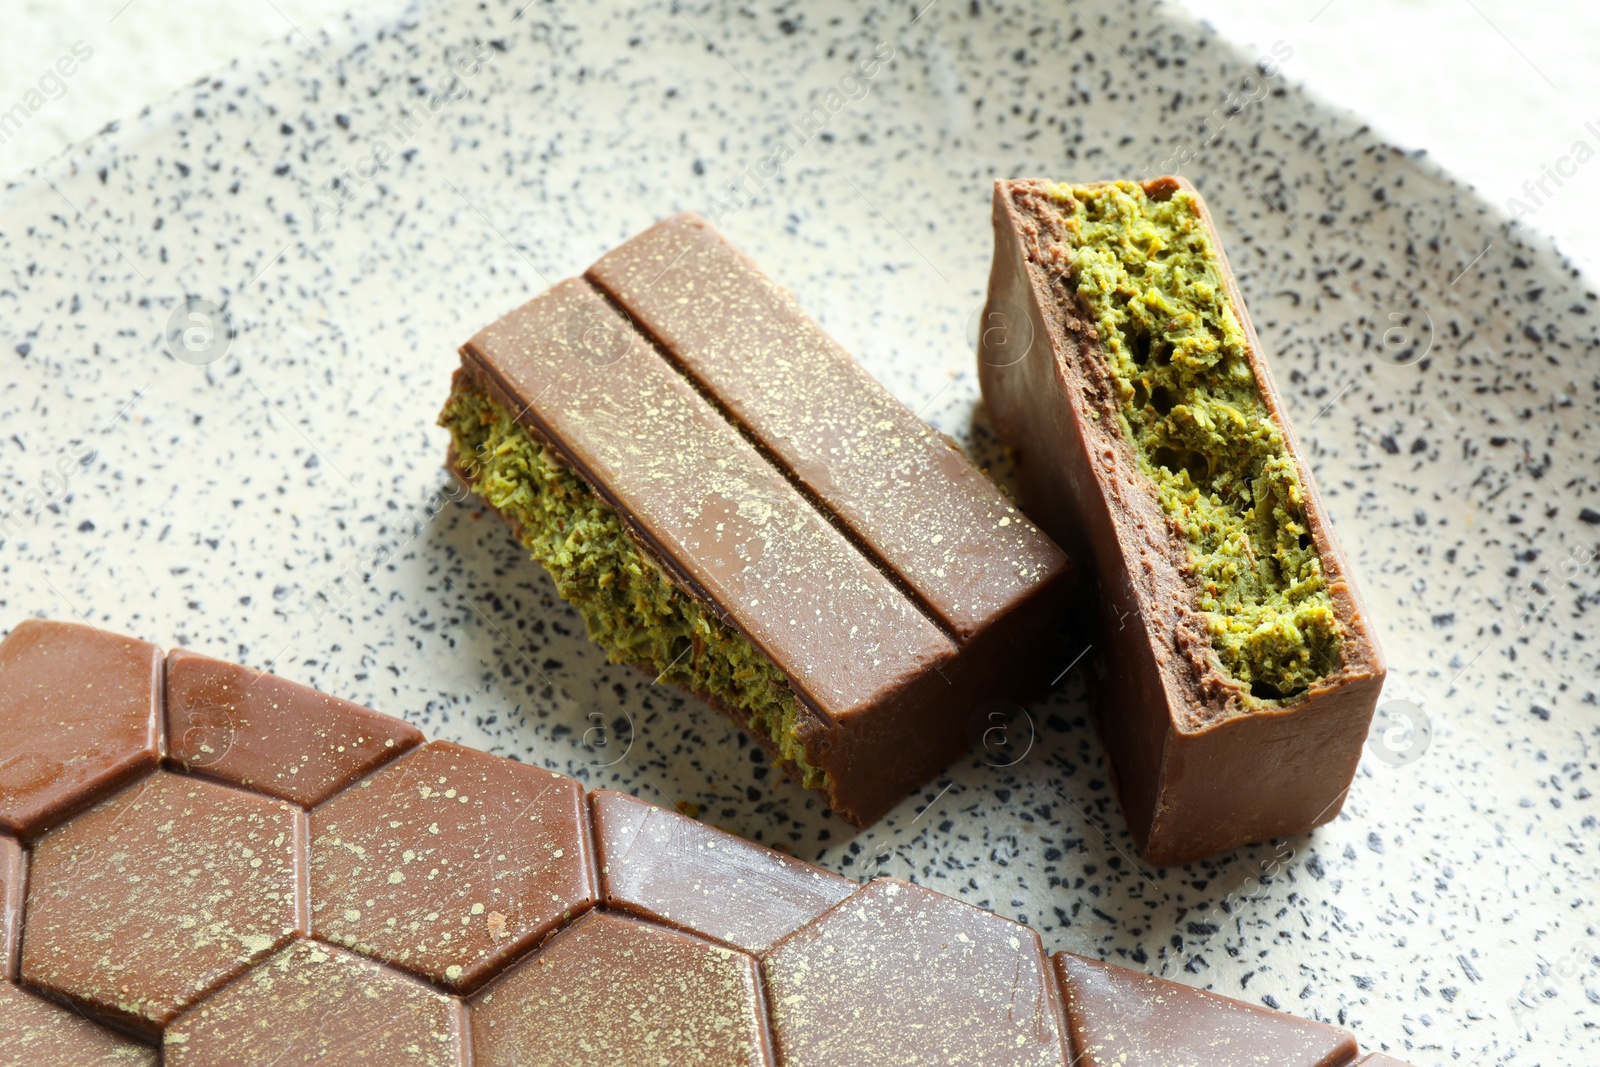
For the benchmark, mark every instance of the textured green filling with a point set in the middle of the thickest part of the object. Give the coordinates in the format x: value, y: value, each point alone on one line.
x: 1148, y: 273
x: 631, y: 609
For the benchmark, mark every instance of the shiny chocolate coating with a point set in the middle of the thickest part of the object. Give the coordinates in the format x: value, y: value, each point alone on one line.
x: 79, y: 714
x: 1201, y: 768
x: 451, y: 907
x: 892, y: 584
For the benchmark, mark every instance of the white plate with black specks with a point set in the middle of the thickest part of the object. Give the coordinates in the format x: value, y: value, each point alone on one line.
x: 270, y: 491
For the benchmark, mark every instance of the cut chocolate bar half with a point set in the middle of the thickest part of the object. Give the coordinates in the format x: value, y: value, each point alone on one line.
x: 1235, y: 667
x: 734, y: 505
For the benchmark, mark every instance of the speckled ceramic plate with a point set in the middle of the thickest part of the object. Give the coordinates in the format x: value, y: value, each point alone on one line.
x: 262, y: 482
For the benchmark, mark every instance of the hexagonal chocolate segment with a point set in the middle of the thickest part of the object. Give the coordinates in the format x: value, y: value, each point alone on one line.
x: 666, y: 866
x: 610, y: 990
x: 450, y: 862
x: 267, y: 733
x: 314, y: 1003
x: 1118, y: 1016
x: 79, y: 712
x: 37, y: 1033
x: 13, y: 869
x: 151, y: 899
x: 900, y: 974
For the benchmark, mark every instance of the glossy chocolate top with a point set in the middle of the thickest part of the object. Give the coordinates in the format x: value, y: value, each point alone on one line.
x: 896, y: 960
x: 612, y: 990
x: 260, y: 731
x: 316, y: 1004
x: 156, y: 896
x: 78, y: 712
x: 540, y: 926
x: 35, y: 1032
x: 658, y: 452
x: 897, y: 483
x: 1123, y: 1017
x: 450, y: 862
x: 660, y: 865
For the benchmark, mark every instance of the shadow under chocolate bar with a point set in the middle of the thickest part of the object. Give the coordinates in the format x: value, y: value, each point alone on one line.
x: 213, y: 866
x: 1235, y: 671
x: 736, y: 506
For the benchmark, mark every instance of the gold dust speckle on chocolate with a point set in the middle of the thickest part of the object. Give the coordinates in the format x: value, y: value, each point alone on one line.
x: 531, y: 924
x: 735, y: 505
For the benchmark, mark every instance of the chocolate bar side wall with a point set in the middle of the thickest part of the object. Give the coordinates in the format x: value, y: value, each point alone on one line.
x: 866, y: 664
x: 1189, y: 786
x: 13, y: 884
x: 600, y: 928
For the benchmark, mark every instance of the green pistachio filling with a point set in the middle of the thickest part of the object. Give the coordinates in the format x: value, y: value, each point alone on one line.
x: 631, y: 608
x: 1151, y: 280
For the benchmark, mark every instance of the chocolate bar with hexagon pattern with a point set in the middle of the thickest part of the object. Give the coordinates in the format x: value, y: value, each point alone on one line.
x: 1234, y: 670
x: 220, y: 866
x: 735, y: 505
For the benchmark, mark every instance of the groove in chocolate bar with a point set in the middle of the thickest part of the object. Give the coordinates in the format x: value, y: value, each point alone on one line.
x: 807, y: 492
x: 630, y: 607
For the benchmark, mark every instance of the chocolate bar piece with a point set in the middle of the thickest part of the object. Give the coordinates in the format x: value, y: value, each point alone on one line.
x: 35, y: 1032
x: 1236, y: 672
x: 311, y: 1002
x: 894, y: 481
x: 110, y: 706
x: 276, y: 737
x: 1196, y: 1027
x: 441, y: 906
x: 734, y: 505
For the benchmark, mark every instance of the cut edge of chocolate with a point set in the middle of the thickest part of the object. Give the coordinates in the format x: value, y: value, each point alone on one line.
x: 1179, y: 754
x: 1360, y: 656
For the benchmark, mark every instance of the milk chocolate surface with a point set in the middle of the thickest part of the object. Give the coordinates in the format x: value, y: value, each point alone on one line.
x: 736, y: 531
x: 661, y: 866
x: 271, y: 735
x: 897, y: 959
x: 896, y: 482
x: 1201, y: 767
x: 887, y: 579
x: 154, y: 897
x: 577, y: 1003
x: 1122, y: 1017
x: 313, y: 1003
x: 35, y: 1032
x: 79, y: 718
x: 595, y: 929
x: 450, y: 862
